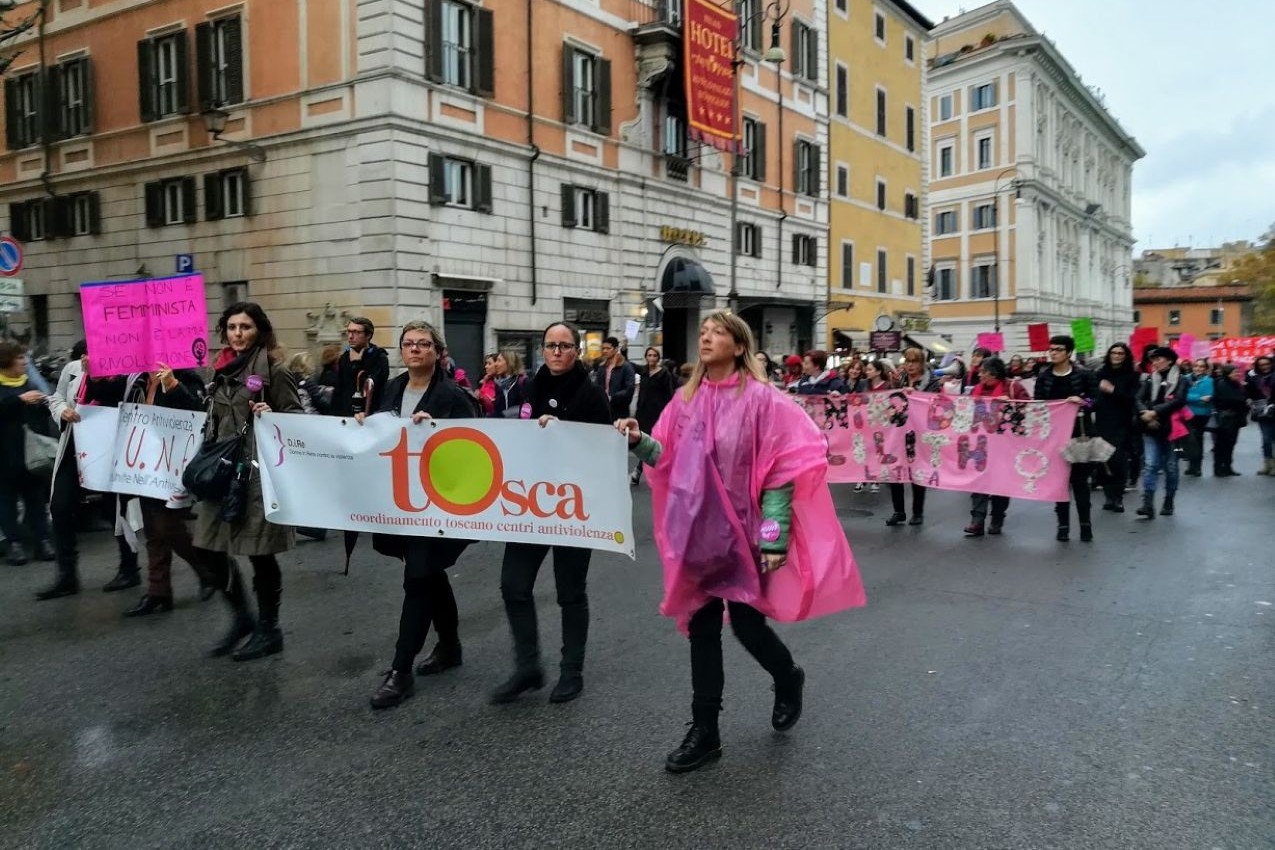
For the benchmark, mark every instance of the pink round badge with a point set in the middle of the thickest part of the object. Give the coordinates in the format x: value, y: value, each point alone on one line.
x: 524, y: 412
x: 769, y: 530
x: 254, y: 383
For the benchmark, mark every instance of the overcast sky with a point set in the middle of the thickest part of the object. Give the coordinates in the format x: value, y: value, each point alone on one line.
x: 1195, y: 85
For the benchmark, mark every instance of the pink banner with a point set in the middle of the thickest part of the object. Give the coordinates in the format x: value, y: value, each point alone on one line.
x: 1184, y: 346
x: 131, y: 325
x: 947, y: 442
x: 993, y: 342
x: 1243, y: 350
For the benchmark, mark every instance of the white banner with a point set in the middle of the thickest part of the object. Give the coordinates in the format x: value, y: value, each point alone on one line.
x: 138, y: 450
x: 477, y: 479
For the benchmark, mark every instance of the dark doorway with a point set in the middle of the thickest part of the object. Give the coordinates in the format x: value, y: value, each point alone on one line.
x: 683, y: 284
x: 464, y: 316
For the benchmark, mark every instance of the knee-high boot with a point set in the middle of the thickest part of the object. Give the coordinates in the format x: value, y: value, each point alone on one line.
x: 224, y: 573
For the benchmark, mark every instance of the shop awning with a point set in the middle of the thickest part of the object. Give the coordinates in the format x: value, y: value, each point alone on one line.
x: 683, y: 275
x: 929, y: 341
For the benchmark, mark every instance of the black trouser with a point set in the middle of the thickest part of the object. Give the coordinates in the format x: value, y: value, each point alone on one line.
x: 517, y: 583
x: 267, y: 580
x: 979, y: 503
x: 1079, y: 481
x: 427, y: 598
x: 918, y: 499
x: 33, y: 492
x: 64, y: 508
x: 1116, y: 474
x: 707, y: 675
x: 1194, y: 443
x: 1224, y: 439
x: 1133, y: 444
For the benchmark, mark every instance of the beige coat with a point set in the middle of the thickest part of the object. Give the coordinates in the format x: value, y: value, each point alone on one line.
x: 230, y: 409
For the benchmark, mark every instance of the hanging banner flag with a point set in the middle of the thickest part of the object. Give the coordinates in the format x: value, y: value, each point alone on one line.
x: 137, y: 450
x: 1038, y: 336
x: 130, y: 325
x: 974, y: 445
x: 708, y: 62
x: 485, y: 479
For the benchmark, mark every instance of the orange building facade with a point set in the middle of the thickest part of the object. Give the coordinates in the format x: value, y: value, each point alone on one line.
x: 1204, y: 312
x: 488, y: 166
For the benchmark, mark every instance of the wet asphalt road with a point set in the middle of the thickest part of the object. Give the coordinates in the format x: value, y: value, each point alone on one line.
x: 995, y: 693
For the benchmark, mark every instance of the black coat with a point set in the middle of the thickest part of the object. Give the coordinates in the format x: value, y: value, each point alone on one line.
x: 620, y: 392
x: 654, y: 394
x: 1174, y: 399
x: 571, y: 397
x: 15, y: 414
x: 375, y: 363
x: 1114, y: 412
x: 1229, y: 404
x: 1083, y: 384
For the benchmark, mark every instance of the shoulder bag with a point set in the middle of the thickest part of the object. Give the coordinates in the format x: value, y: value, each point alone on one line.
x: 41, y: 452
x: 1086, y: 449
x: 210, y: 472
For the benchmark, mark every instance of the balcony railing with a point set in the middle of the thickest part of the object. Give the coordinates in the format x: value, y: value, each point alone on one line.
x: 677, y: 166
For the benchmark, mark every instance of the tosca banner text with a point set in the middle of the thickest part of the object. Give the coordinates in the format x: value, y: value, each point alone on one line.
x: 994, y: 446
x: 130, y: 325
x: 506, y: 480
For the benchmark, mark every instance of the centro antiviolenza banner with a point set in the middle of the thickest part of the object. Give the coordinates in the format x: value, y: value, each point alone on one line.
x: 477, y: 479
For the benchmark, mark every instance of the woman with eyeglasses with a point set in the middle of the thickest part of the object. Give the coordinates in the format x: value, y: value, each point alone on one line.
x: 562, y: 390
x: 916, y: 377
x: 1114, y: 409
x: 425, y: 391
x: 1064, y: 380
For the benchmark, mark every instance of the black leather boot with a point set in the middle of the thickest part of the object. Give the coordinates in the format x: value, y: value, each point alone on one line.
x: 17, y: 555
x: 788, y: 700
x: 521, y: 681
x: 575, y: 634
x: 227, y: 576
x: 1147, y: 509
x: 66, y: 584
x: 1167, y: 508
x: 44, y: 551
x: 701, y: 745
x: 896, y: 519
x: 124, y: 579
x: 398, y: 686
x: 149, y: 605
x: 266, y: 639
x: 443, y: 657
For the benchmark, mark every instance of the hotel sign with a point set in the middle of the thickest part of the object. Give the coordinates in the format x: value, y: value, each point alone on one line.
x: 709, y: 54
x: 682, y: 236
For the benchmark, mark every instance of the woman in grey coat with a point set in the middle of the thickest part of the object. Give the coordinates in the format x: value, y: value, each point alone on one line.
x: 248, y: 381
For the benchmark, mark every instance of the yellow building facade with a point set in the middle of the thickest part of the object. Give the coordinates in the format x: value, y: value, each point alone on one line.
x: 876, y: 166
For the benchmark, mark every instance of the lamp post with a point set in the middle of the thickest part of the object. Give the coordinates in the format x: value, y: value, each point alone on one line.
x: 215, y: 119
x: 996, y: 247
x: 775, y: 12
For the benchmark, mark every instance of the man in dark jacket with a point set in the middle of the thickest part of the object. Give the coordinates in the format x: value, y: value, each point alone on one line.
x: 364, y: 359
x: 617, y: 377
x: 1064, y: 380
x: 1162, y: 395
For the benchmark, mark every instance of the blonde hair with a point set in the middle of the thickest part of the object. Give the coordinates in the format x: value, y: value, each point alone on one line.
x: 300, y: 364
x: 745, y: 362
x: 513, y: 360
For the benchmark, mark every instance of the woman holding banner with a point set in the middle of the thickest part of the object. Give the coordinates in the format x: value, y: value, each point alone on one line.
x: 993, y: 382
x: 1064, y: 380
x: 562, y: 390
x: 423, y: 392
x: 738, y: 476
x: 249, y: 380
x: 916, y: 378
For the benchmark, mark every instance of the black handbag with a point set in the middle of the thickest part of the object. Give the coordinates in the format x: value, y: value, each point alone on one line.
x: 212, y: 470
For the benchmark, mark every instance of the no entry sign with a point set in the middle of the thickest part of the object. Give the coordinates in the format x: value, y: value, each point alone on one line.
x: 10, y: 256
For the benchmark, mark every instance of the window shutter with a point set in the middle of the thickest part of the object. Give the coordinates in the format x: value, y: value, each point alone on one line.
x: 568, y: 205
x: 434, y: 40
x: 796, y: 164
x: 213, y: 207
x: 756, y: 240
x: 760, y: 159
x: 485, y: 60
x: 55, y: 217
x: 11, y: 117
x: 154, y: 195
x: 794, y: 32
x: 796, y: 248
x: 847, y: 265
x: 52, y: 123
x: 482, y: 188
x: 568, y: 84
x: 183, y: 74
x: 146, y: 79
x: 18, y: 218
x: 245, y: 182
x: 84, y: 68
x: 95, y: 213
x: 816, y: 168
x: 437, y: 190
x: 812, y: 57
x: 739, y: 229
x: 602, y: 212
x: 189, y: 213
x: 234, y: 60
x: 204, y: 65
x: 602, y: 112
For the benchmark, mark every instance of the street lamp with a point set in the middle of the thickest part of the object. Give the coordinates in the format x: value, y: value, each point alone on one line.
x: 215, y: 119
x: 775, y: 12
x: 996, y: 247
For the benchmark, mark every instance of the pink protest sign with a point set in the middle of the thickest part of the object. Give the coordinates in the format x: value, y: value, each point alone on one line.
x: 1185, y: 346
x: 131, y: 325
x: 993, y: 342
x: 974, y: 445
x: 1202, y: 350
x: 1243, y: 350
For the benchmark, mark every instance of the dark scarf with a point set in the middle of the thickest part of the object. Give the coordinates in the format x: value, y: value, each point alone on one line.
x: 230, y: 364
x: 554, y: 395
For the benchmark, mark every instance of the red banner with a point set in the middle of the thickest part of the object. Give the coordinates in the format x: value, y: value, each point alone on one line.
x: 1038, y: 336
x: 1243, y: 350
x: 709, y: 51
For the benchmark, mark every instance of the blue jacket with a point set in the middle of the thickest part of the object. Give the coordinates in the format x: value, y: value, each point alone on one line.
x: 1195, y: 396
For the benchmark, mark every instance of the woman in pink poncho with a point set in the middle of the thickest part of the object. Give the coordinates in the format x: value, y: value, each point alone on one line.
x: 744, y: 522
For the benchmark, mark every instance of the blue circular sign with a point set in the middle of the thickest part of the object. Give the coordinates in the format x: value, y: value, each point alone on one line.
x: 10, y: 255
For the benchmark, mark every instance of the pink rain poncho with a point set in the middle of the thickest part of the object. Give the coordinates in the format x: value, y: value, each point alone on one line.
x: 720, y: 451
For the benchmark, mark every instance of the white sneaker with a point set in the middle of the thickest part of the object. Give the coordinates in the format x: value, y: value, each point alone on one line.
x: 876, y: 488
x: 858, y: 488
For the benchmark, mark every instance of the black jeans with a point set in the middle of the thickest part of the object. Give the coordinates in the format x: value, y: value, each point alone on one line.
x: 1194, y: 443
x: 1224, y: 440
x: 517, y: 583
x: 918, y: 499
x: 33, y: 492
x: 427, y: 598
x: 64, y: 508
x: 707, y: 675
x: 1079, y: 482
x: 1114, y: 474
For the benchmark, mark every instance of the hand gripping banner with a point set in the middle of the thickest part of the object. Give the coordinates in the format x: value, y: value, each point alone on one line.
x: 477, y: 479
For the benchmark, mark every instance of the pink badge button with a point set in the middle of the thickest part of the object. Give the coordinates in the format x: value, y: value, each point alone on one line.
x: 769, y: 530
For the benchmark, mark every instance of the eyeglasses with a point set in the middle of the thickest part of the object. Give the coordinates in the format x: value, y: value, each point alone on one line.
x: 419, y: 344
x: 1057, y: 348
x: 560, y: 347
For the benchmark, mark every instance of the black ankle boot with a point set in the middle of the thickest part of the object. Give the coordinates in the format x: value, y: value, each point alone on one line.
x: 517, y: 684
x: 1064, y: 533
x: 1086, y: 533
x: 787, y: 710
x: 266, y: 639
x: 17, y: 555
x: 149, y: 605
x: 397, y: 687
x: 897, y: 519
x: 1147, y: 509
x: 1167, y: 509
x: 443, y: 657
x: 67, y: 584
x: 124, y: 579
x: 242, y: 624
x: 701, y: 745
